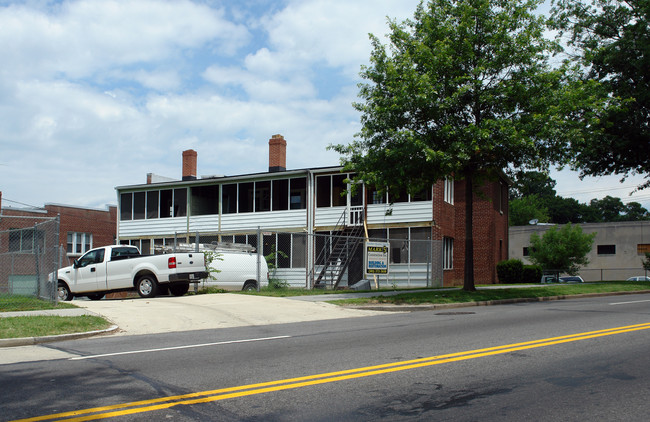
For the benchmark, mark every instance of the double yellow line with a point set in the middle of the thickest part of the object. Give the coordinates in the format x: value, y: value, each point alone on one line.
x: 292, y: 383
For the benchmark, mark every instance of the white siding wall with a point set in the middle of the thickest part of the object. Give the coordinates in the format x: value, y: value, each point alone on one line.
x: 205, y: 223
x: 266, y: 220
x: 154, y: 227
x: 328, y: 216
x: 403, y: 212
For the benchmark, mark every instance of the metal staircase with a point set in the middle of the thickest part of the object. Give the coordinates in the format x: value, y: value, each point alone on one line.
x: 335, y: 256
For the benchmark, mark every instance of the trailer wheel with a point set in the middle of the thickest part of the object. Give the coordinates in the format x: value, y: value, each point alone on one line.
x: 63, y: 292
x: 147, y: 286
x: 179, y: 289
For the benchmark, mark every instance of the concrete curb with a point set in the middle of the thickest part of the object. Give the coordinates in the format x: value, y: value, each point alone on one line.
x: 30, y: 341
x: 433, y: 307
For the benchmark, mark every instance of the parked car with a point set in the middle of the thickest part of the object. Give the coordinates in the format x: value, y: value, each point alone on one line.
x: 571, y: 279
x: 549, y: 278
x: 639, y: 278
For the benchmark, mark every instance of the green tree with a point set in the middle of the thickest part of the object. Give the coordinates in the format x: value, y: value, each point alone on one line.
x: 635, y: 212
x: 611, y: 39
x: 608, y: 209
x: 567, y: 210
x: 532, y: 183
x: 464, y: 90
x: 563, y: 249
x: 522, y: 210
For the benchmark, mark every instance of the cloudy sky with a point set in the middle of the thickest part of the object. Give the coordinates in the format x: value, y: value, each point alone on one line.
x: 96, y: 94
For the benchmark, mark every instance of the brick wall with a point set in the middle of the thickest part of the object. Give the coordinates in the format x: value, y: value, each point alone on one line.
x: 490, y: 233
x: 101, y: 223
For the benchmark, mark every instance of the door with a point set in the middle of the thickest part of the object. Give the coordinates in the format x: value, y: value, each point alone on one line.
x: 89, y: 271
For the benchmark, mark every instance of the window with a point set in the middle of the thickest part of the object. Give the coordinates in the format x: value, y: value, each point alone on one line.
x: 25, y: 240
x: 229, y: 198
x: 262, y: 196
x: 299, y: 250
x: 126, y: 206
x: 449, y: 190
x: 400, y: 196
x: 246, y: 197
x: 399, y: 246
x: 526, y: 251
x: 339, y: 196
x: 152, y: 204
x: 79, y: 243
x: 138, y: 205
x: 420, y: 244
x: 606, y: 249
x: 298, y: 193
x: 643, y: 248
x: 180, y: 202
x: 204, y: 200
x: 166, y: 203
x: 447, y: 253
x: 283, y: 255
x: 423, y: 195
x: 374, y: 197
x: 280, y: 195
x: 323, y: 191
x: 92, y: 257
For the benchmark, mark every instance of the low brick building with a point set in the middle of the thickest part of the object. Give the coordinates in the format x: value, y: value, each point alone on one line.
x: 80, y: 228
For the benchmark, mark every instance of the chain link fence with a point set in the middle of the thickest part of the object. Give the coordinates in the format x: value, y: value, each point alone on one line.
x: 29, y: 253
x: 301, y: 260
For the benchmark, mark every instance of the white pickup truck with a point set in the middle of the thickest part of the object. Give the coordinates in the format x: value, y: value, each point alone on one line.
x: 120, y: 267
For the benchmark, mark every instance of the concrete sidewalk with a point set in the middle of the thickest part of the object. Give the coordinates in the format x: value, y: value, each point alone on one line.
x: 165, y: 314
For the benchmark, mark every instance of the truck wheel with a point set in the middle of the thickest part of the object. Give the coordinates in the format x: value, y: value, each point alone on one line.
x: 97, y: 296
x: 250, y: 286
x: 179, y: 289
x: 64, y: 292
x: 147, y: 286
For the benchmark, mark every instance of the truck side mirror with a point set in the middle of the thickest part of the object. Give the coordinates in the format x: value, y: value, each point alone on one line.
x: 75, y: 264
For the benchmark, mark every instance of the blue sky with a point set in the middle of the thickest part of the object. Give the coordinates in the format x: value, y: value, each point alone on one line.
x: 96, y: 94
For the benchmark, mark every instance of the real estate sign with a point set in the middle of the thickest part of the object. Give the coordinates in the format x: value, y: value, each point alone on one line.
x: 376, y: 257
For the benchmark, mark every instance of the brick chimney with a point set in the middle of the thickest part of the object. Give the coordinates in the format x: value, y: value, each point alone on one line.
x: 277, y: 154
x: 189, y: 164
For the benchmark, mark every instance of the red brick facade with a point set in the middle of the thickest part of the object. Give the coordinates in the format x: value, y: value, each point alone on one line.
x: 101, y: 224
x: 490, y: 233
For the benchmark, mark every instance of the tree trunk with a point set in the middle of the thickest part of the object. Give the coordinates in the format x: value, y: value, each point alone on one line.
x: 468, y: 280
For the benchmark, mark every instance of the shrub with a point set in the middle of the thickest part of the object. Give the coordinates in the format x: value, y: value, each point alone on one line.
x: 531, y: 274
x: 510, y: 271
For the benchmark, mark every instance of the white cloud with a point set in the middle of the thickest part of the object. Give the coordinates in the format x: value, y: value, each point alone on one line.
x: 81, y: 38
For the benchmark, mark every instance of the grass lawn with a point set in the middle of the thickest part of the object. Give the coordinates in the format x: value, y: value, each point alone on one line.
x: 9, y: 303
x: 37, y: 326
x: 461, y: 296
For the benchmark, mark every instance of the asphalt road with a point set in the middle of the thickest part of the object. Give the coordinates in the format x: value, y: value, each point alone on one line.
x: 584, y: 359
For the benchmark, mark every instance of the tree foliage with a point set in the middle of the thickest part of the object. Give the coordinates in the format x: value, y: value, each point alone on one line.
x: 535, y: 198
x: 563, y: 249
x: 464, y: 89
x: 522, y: 210
x: 611, y: 40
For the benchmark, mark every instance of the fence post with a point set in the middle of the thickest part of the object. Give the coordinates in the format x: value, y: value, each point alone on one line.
x: 259, y: 254
x: 429, y: 249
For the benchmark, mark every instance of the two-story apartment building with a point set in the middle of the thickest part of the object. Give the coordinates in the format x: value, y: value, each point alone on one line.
x: 297, y: 211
